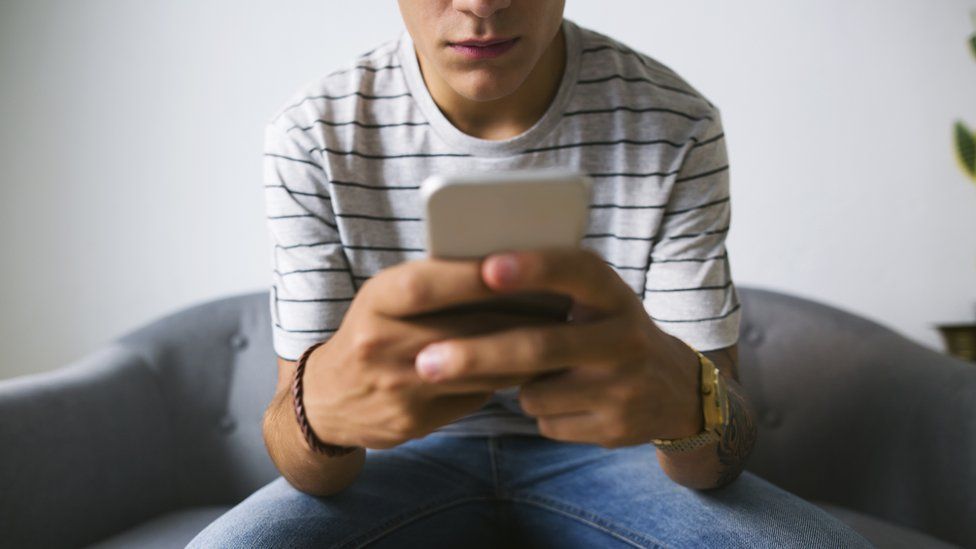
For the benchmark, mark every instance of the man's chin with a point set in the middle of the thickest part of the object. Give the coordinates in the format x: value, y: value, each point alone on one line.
x: 483, y: 88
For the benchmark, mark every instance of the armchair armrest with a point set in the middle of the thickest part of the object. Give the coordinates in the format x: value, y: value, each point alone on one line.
x: 85, y: 451
x: 853, y: 413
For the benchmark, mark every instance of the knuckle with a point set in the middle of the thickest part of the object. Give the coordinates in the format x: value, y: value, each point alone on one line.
x: 366, y: 345
x: 392, y: 382
x: 412, y: 289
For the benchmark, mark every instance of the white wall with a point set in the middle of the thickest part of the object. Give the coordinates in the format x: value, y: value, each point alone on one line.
x: 131, y: 135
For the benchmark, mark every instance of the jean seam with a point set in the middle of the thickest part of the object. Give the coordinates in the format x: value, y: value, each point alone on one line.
x: 492, y: 458
x: 590, y: 519
x: 361, y: 540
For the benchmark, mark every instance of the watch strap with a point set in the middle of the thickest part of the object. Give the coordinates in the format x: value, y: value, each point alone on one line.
x: 712, y: 394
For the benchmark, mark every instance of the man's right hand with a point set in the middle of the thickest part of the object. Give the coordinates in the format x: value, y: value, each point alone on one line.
x: 361, y: 387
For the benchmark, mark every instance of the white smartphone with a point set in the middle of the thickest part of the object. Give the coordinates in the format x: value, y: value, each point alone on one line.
x: 474, y: 215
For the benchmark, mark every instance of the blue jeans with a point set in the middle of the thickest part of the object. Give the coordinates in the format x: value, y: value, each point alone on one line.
x: 523, y: 491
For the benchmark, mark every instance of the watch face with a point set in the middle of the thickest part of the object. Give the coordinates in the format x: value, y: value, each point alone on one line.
x: 713, y: 396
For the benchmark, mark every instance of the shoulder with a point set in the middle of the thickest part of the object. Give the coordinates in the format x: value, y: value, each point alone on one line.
x: 611, y: 67
x: 373, y: 74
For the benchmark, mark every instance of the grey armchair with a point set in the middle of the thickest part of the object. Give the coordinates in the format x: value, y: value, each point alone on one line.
x: 147, y: 440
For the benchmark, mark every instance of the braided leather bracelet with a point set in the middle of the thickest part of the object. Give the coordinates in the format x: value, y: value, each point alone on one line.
x: 297, y: 391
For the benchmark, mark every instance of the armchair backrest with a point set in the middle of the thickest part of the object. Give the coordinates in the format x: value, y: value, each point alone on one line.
x: 850, y: 412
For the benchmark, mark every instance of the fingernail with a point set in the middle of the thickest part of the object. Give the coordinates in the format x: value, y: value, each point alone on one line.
x: 430, y: 361
x: 506, y: 268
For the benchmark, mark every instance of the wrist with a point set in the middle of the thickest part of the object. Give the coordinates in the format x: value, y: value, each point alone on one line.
x: 312, y: 440
x: 710, y: 412
x: 689, y: 415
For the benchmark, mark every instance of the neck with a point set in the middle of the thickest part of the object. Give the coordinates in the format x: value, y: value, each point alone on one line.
x: 507, y: 116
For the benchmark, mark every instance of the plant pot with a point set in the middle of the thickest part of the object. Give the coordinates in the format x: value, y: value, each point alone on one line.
x: 960, y: 340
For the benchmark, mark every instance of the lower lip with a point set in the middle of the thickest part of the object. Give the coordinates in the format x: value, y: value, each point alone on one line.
x: 485, y: 52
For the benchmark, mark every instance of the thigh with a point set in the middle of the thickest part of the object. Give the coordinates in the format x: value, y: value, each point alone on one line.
x: 625, y: 496
x: 399, y: 493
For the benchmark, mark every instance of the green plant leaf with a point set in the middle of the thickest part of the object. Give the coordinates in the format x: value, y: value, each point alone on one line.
x: 966, y: 149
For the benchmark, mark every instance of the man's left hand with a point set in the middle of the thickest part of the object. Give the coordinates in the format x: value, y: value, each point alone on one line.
x: 608, y: 376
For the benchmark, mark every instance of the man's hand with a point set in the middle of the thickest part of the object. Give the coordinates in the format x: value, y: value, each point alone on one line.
x: 610, y: 376
x: 360, y: 386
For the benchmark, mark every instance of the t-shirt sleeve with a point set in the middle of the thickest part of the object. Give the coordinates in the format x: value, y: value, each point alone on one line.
x: 312, y: 285
x: 689, y: 291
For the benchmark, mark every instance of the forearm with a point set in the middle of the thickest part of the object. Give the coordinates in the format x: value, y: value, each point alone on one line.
x: 717, y: 464
x: 310, y: 472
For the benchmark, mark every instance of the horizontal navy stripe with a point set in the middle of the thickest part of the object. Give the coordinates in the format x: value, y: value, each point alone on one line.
x: 335, y: 97
x: 626, y: 142
x: 317, y: 270
x: 392, y: 44
x: 384, y: 248
x: 376, y: 187
x: 706, y: 319
x: 635, y: 174
x: 694, y: 235
x: 702, y: 175
x: 638, y: 110
x: 309, y: 245
x: 623, y: 267
x: 356, y: 123
x: 322, y: 300
x: 377, y: 217
x: 654, y: 83
x: 308, y: 215
x: 365, y: 68
x: 302, y: 193
x: 698, y: 289
x: 317, y: 331
x: 293, y: 159
x: 369, y: 156
x: 605, y: 143
x: 640, y: 58
x: 699, y: 207
x: 689, y: 259
x: 709, y: 141
x: 610, y: 235
x: 623, y: 207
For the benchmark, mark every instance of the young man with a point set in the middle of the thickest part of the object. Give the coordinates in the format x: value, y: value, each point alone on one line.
x: 497, y: 430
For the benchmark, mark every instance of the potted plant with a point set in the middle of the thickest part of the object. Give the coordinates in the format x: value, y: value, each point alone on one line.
x: 960, y: 339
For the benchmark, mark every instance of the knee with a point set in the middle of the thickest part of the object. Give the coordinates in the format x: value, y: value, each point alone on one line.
x: 276, y: 515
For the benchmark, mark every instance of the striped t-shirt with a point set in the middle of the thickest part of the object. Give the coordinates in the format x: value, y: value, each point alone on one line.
x: 345, y: 156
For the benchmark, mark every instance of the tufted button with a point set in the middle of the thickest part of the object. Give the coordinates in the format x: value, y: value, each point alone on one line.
x: 753, y: 335
x: 770, y: 418
x: 227, y: 425
x: 238, y: 341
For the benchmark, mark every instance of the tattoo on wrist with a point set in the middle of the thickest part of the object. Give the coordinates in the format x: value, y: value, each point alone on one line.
x: 737, y: 441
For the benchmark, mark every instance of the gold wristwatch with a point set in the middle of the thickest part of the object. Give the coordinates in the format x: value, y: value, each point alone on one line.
x: 715, y: 404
